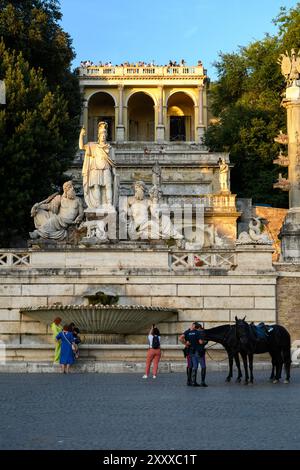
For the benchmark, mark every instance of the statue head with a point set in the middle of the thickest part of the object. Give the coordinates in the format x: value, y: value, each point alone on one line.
x: 139, y: 190
x: 155, y: 193
x: 69, y: 190
x: 102, y: 132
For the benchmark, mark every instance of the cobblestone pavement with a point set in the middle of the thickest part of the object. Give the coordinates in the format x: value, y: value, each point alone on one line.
x: 123, y: 411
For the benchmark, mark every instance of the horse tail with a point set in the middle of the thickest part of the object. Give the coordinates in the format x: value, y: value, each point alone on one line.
x: 286, y: 350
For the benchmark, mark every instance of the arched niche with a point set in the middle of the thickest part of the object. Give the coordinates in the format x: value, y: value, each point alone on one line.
x: 141, y: 117
x: 101, y: 107
x: 181, y: 117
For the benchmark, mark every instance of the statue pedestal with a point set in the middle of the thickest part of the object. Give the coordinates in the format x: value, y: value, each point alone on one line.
x: 200, y: 134
x: 99, y: 212
x: 120, y: 134
x: 290, y: 236
x: 160, y: 133
x: 293, y: 92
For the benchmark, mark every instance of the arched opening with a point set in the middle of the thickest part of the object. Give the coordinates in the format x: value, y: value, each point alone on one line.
x: 141, y: 117
x: 101, y: 108
x: 181, y: 117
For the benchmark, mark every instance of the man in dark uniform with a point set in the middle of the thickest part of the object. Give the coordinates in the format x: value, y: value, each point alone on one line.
x: 202, y: 358
x: 186, y: 353
x: 195, y: 343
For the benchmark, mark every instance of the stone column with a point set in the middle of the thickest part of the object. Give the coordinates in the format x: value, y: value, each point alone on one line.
x: 120, y: 137
x: 292, y: 105
x: 290, y: 231
x: 84, y: 118
x: 160, y: 128
x: 126, y: 123
x: 2, y: 92
x: 200, y: 126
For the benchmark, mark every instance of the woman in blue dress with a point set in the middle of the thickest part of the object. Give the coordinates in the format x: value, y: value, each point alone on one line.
x: 67, y: 353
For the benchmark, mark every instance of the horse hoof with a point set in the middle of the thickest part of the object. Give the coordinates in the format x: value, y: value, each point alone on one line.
x: 286, y: 381
x: 275, y: 381
x: 246, y: 383
x: 238, y: 380
x: 227, y: 379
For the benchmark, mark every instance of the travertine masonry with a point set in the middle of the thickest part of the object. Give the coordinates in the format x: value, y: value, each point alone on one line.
x: 288, y: 298
x: 142, y: 277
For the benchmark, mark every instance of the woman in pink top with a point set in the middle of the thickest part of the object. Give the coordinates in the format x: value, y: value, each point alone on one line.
x: 154, y: 352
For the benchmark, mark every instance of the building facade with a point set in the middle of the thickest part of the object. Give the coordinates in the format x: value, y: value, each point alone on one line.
x: 145, y: 104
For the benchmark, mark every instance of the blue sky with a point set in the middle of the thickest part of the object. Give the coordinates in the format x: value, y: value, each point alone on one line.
x: 120, y: 30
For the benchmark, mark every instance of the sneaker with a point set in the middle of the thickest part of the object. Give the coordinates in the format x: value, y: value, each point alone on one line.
x: 154, y: 376
x: 145, y: 376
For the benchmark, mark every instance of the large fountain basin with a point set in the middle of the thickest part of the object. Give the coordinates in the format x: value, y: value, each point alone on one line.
x: 97, y: 319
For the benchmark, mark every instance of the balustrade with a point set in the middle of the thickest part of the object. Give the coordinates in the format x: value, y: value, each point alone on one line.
x: 95, y: 71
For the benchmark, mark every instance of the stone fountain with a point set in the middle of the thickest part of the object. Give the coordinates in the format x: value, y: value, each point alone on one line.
x: 103, y: 324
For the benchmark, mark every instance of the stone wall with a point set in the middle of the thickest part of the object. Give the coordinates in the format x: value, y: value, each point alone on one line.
x: 288, y: 298
x: 212, y: 293
x: 275, y: 217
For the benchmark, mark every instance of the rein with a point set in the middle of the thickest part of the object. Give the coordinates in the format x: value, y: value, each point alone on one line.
x: 214, y: 343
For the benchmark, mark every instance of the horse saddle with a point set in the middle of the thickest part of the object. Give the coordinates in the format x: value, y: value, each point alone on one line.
x: 262, y: 331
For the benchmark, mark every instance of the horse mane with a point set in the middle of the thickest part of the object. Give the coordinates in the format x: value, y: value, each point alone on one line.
x: 218, y: 333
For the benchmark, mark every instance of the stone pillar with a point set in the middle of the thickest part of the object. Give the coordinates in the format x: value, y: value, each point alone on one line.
x: 126, y: 123
x: 292, y: 105
x: 120, y: 135
x: 84, y: 118
x: 200, y: 126
x: 290, y: 231
x: 160, y: 128
x: 2, y: 92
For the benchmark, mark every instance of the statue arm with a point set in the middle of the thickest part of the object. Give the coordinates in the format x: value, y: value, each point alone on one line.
x: 82, y: 146
x: 80, y: 215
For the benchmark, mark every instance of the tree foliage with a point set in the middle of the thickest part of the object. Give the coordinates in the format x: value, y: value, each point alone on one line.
x: 39, y: 124
x: 246, y: 102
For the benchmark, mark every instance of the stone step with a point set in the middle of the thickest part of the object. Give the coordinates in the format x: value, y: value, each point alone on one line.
x: 93, y: 366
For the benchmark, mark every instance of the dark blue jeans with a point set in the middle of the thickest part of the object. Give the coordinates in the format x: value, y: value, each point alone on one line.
x: 195, y: 359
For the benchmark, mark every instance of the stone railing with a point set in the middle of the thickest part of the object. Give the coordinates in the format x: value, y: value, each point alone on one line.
x: 117, y: 71
x: 206, y: 260
x: 15, y: 258
x: 217, y: 201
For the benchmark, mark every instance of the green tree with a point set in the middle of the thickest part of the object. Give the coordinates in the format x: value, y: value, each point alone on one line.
x: 32, y: 137
x: 246, y: 103
x: 39, y: 124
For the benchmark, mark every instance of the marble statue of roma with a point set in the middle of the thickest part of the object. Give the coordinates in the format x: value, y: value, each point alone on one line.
x: 54, y: 215
x: 98, y: 169
x: 146, y: 222
x: 223, y: 174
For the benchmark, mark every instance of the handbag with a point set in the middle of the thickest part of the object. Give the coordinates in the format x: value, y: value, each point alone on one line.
x: 73, y: 346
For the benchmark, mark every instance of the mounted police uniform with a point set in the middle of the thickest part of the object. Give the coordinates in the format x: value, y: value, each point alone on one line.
x: 196, y: 353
